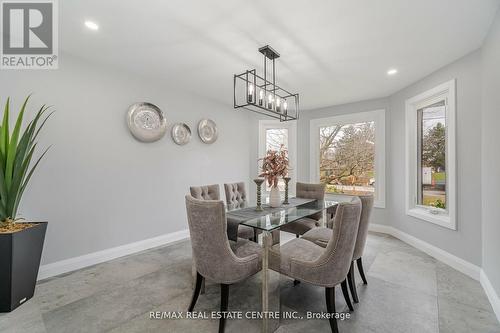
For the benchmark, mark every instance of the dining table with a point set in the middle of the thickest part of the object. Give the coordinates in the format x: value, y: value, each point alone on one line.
x: 268, y: 220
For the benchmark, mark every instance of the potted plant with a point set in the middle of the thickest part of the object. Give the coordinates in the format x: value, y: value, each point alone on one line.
x: 274, y: 166
x: 21, y: 243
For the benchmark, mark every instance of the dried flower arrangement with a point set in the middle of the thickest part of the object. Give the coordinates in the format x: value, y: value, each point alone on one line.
x: 275, y: 165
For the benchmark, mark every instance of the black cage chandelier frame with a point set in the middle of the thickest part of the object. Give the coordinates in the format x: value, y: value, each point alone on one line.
x: 263, y: 95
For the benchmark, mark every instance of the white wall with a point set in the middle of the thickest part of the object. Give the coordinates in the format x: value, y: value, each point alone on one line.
x: 98, y: 187
x: 491, y: 154
x: 464, y: 242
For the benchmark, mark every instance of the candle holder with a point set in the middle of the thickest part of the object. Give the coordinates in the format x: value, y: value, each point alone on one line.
x: 286, y: 179
x: 259, y: 182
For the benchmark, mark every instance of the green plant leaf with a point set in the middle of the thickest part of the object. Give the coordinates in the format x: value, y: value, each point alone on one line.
x: 16, y: 153
x: 25, y: 183
x: 42, y: 124
x: 12, y: 147
x: 3, y: 192
x: 26, y: 140
x: 14, y: 190
x: 4, y: 130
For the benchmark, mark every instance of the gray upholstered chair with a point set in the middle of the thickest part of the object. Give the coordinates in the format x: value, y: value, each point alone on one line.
x: 327, y: 267
x: 306, y: 191
x: 215, y: 258
x: 205, y: 192
x: 321, y: 236
x: 236, y: 197
x: 212, y: 192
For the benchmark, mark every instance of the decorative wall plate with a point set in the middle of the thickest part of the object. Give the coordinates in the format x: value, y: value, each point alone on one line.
x: 181, y: 133
x: 207, y: 130
x: 146, y: 122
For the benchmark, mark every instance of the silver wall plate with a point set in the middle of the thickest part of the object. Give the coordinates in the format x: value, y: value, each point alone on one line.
x: 181, y: 133
x: 207, y: 131
x: 146, y: 122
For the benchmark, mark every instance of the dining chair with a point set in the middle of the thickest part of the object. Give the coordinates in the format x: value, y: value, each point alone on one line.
x: 215, y: 258
x: 212, y: 192
x: 236, y: 195
x: 236, y: 198
x: 321, y: 236
x: 303, y: 225
x: 307, y: 262
x: 205, y: 192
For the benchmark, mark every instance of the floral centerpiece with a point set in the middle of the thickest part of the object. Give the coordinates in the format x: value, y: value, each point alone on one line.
x: 275, y: 165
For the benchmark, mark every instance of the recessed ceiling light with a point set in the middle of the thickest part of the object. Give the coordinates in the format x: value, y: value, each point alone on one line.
x: 392, y: 71
x: 91, y: 25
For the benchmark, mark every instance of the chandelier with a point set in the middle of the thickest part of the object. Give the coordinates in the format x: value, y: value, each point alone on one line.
x: 262, y: 95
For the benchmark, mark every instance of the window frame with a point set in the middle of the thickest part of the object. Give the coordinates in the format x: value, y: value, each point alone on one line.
x: 377, y: 116
x: 291, y: 126
x: 445, y: 218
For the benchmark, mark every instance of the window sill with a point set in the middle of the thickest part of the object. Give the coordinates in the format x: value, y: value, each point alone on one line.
x: 441, y: 219
x: 347, y: 197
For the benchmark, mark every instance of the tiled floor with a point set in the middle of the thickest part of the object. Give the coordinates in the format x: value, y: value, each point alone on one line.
x: 408, y: 291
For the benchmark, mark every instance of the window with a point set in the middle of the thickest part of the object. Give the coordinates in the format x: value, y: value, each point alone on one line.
x: 430, y: 161
x: 347, y: 158
x: 348, y: 154
x: 431, y: 138
x: 276, y: 137
x: 274, y: 134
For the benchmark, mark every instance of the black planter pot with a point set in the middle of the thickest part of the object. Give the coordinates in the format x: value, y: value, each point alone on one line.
x: 20, y: 254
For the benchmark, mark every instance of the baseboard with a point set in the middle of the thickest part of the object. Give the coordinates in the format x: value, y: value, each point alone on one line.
x: 457, y: 263
x: 490, y: 293
x: 384, y: 229
x: 71, y: 264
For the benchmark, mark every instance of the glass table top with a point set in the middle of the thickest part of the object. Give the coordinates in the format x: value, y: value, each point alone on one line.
x: 272, y: 218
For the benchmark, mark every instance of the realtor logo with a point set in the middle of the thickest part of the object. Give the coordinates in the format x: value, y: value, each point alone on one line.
x: 29, y: 35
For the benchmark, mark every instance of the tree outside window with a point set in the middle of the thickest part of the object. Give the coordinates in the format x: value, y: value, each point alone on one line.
x: 275, y: 139
x: 432, y: 184
x: 347, y: 158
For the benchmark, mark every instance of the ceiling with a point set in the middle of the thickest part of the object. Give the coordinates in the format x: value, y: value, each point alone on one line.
x: 332, y: 51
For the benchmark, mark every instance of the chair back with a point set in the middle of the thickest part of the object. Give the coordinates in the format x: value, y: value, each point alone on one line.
x: 236, y: 195
x: 332, y: 266
x: 205, y: 192
x: 212, y: 253
x: 366, y: 211
x: 311, y: 191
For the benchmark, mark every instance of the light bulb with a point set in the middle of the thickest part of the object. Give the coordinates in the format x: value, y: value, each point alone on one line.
x: 270, y: 101
x: 250, y: 93
x: 278, y: 104
x: 285, y: 107
x: 261, y: 97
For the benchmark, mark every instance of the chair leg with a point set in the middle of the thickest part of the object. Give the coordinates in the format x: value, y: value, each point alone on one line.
x: 255, y: 236
x: 346, y: 295
x: 352, y: 283
x: 330, y: 307
x: 224, y: 299
x: 297, y: 236
x: 361, y: 270
x: 196, y: 292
